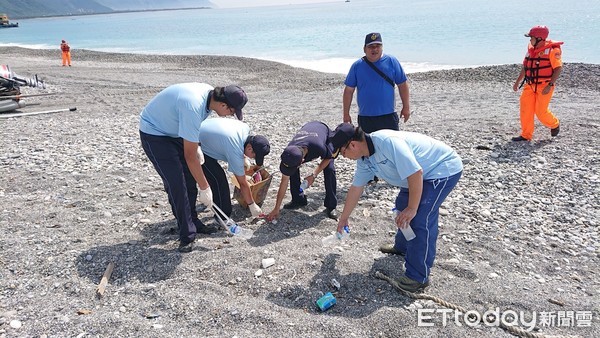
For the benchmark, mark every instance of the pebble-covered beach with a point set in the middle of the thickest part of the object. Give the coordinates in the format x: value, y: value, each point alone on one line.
x: 519, y: 232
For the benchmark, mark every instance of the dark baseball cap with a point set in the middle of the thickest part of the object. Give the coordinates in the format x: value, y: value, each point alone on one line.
x: 291, y: 159
x: 236, y: 98
x: 372, y: 38
x: 340, y: 136
x: 260, y: 146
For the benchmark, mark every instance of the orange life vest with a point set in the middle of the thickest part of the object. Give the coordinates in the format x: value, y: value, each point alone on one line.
x: 537, y: 62
x: 65, y: 47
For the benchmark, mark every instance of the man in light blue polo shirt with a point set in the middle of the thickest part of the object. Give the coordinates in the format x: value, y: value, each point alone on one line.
x: 230, y: 141
x: 170, y: 131
x: 426, y: 170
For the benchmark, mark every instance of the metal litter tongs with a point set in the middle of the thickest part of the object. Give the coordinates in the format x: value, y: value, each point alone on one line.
x: 230, y: 225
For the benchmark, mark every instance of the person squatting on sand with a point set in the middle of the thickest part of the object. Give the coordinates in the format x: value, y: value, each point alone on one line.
x: 426, y: 170
x: 66, y: 53
x: 229, y: 140
x: 313, y: 140
x: 170, y: 132
x: 541, y: 68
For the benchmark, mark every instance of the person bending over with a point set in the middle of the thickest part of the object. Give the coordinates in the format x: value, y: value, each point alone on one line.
x: 170, y: 132
x: 426, y: 170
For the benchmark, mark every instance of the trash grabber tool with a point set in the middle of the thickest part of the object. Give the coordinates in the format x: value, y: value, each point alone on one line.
x: 37, y: 112
x: 218, y: 212
x: 16, y: 97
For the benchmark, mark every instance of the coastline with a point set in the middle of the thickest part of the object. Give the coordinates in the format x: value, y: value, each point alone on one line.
x: 113, y: 12
x: 520, y: 229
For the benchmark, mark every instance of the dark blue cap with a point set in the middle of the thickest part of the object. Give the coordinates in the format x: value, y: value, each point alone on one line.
x: 372, y: 38
x: 236, y: 98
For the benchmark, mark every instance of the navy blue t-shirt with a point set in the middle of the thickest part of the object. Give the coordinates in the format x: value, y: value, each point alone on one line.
x: 313, y: 136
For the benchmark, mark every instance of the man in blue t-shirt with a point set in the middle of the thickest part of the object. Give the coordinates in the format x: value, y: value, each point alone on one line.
x: 230, y: 141
x: 376, y: 95
x: 426, y: 170
x: 170, y: 131
x: 314, y: 140
x: 376, y: 76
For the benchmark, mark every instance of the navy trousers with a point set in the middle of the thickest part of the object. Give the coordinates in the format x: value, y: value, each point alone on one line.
x: 215, y: 175
x: 166, y: 154
x: 330, y: 182
x: 420, y: 252
x: 370, y: 124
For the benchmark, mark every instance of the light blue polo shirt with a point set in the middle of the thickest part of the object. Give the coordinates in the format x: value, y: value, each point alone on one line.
x: 223, y: 139
x: 177, y: 111
x: 399, y: 154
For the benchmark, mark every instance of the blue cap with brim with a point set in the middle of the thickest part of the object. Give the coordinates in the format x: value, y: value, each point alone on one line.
x: 261, y: 148
x: 291, y: 159
x: 236, y: 98
x: 372, y: 38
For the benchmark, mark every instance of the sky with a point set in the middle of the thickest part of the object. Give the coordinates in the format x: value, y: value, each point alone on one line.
x: 252, y: 3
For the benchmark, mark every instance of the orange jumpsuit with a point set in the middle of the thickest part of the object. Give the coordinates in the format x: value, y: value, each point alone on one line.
x: 66, y: 54
x: 533, y: 101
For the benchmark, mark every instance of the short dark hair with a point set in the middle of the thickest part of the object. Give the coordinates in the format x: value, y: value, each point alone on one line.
x: 359, y: 135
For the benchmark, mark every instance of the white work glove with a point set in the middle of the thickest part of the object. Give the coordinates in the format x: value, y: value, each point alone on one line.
x: 255, y: 210
x: 205, y: 197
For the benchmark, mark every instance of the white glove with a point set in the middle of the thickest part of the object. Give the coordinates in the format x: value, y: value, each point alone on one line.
x: 205, y: 197
x: 255, y: 210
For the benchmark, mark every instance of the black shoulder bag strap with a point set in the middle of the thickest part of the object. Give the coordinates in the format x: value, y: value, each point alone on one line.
x: 385, y: 77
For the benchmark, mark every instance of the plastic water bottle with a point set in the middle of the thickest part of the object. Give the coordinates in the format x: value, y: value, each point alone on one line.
x: 336, y: 238
x: 408, y: 232
x: 303, y: 186
x: 238, y: 231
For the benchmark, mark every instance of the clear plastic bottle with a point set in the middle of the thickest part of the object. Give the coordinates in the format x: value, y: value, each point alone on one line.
x: 337, y: 238
x: 238, y: 231
x: 303, y: 186
x: 408, y: 232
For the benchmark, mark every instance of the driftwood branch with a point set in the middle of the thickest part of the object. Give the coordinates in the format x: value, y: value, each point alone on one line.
x: 104, y: 280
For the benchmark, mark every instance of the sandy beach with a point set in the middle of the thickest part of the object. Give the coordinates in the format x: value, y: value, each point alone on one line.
x: 519, y: 233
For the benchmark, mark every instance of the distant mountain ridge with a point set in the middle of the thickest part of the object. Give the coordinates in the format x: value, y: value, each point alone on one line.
x: 16, y: 9
x: 120, y: 5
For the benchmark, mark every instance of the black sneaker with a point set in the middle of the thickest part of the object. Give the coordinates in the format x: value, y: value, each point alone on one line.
x: 201, y: 228
x: 410, y: 285
x: 186, y: 247
x: 332, y: 213
x: 391, y: 249
x: 295, y: 204
x: 554, y: 131
x: 519, y: 138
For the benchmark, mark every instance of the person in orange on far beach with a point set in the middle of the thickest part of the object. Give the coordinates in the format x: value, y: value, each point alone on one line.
x: 541, y: 67
x: 66, y: 53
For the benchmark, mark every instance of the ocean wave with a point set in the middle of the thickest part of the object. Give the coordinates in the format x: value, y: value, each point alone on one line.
x: 342, y: 65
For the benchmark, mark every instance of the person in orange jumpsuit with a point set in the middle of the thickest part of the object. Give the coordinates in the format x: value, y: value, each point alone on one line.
x: 66, y: 53
x: 541, y: 68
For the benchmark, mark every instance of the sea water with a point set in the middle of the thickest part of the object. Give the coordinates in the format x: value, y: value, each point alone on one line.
x: 329, y: 36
